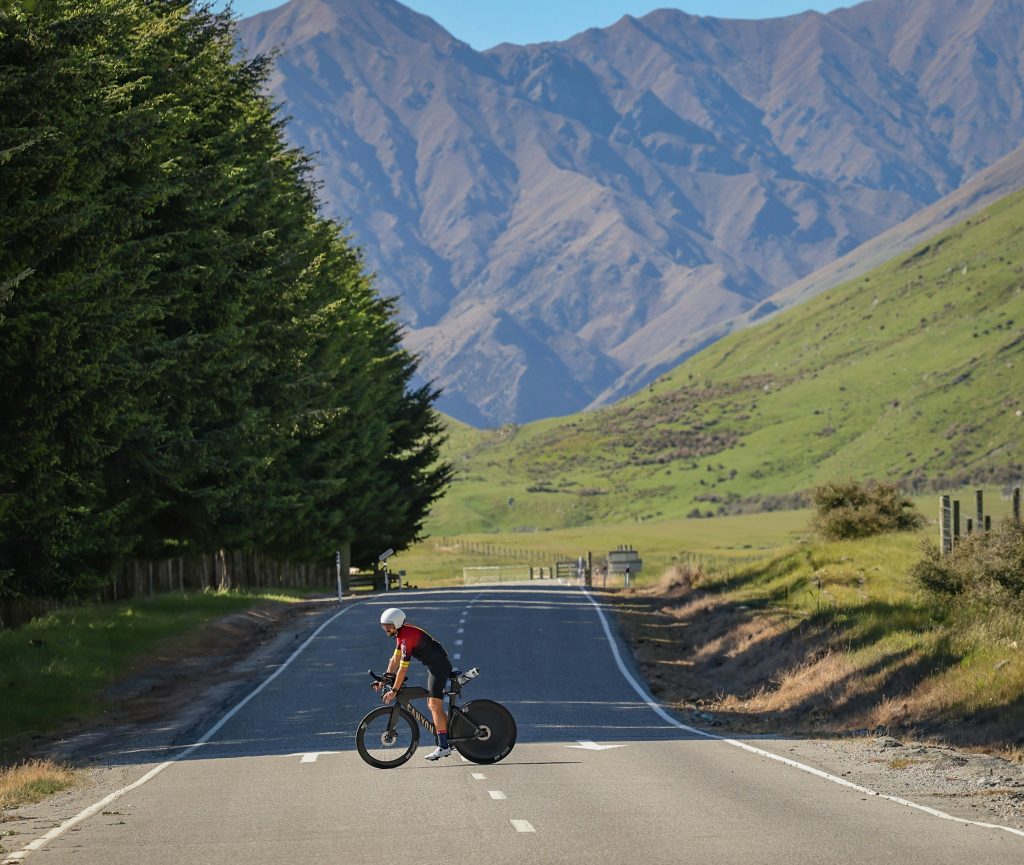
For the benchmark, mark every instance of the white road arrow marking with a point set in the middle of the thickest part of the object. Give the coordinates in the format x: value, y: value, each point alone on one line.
x: 311, y: 757
x: 593, y: 746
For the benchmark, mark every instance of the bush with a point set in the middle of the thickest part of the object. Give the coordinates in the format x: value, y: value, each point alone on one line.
x: 985, y: 564
x: 850, y: 509
x: 939, y: 573
x: 682, y: 576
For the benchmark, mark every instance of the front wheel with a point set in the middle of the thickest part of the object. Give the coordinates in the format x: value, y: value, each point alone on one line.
x: 497, y: 731
x: 387, y: 737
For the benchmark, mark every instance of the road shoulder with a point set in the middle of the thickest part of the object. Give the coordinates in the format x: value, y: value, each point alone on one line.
x: 967, y: 783
x: 169, y: 699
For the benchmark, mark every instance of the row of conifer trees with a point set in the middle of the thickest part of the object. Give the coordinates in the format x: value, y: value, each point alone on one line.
x: 192, y: 357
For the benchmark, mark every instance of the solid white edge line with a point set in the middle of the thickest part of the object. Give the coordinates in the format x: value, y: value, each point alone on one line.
x: 660, y: 711
x: 57, y: 831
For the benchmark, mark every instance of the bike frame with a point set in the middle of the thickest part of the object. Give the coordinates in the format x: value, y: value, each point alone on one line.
x: 403, y: 702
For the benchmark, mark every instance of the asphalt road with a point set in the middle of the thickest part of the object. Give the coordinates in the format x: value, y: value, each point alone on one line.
x: 280, y: 780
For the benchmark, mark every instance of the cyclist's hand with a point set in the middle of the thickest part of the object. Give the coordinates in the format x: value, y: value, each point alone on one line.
x: 389, y: 697
x: 377, y: 686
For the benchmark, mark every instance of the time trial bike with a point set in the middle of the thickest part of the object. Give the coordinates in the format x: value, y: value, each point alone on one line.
x: 482, y: 731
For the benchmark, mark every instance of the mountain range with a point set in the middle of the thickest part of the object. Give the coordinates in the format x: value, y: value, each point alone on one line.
x: 564, y: 221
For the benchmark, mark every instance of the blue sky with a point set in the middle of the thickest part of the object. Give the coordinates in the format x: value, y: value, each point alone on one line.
x: 485, y: 23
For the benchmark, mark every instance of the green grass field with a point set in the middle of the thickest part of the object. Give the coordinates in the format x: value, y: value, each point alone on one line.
x: 721, y: 541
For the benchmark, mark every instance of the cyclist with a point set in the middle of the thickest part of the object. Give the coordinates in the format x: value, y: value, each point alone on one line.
x: 413, y: 642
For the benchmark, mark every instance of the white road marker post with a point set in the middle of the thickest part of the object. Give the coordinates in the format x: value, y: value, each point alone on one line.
x: 337, y: 565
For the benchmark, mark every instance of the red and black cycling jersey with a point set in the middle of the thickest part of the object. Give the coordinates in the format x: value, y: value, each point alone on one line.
x: 413, y: 642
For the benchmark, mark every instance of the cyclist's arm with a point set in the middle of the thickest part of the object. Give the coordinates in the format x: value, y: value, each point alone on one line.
x: 399, y: 666
x: 400, y: 676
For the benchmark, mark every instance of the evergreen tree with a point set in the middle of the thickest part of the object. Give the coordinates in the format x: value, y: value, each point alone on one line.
x: 191, y: 358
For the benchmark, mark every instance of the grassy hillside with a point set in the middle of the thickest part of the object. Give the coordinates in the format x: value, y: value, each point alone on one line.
x: 831, y: 636
x: 911, y: 373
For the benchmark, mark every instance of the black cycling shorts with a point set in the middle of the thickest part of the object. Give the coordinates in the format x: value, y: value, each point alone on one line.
x: 437, y: 676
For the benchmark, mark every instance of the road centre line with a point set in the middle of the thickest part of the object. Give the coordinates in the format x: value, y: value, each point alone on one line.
x: 477, y: 776
x: 522, y: 825
x: 657, y: 708
x: 496, y: 794
x: 57, y: 831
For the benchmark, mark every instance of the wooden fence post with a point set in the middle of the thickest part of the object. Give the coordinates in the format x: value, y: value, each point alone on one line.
x: 346, y: 566
x: 979, y: 513
x: 223, y: 581
x: 1016, y: 505
x: 945, y: 525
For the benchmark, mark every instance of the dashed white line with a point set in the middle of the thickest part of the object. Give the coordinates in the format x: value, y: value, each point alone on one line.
x: 477, y: 776
x: 458, y: 642
x: 522, y: 825
x: 496, y: 794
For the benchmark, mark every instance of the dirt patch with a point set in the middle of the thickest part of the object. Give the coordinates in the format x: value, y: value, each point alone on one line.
x: 743, y: 672
x: 164, y: 680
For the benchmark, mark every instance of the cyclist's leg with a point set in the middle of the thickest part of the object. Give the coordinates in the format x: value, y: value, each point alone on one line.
x: 437, y: 678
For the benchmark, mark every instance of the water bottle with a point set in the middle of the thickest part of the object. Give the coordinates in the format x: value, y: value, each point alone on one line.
x: 469, y: 674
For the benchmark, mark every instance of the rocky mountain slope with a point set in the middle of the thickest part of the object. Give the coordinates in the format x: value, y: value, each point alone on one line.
x: 983, y: 189
x: 555, y: 216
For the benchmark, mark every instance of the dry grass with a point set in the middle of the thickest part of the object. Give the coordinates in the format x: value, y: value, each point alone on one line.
x: 820, y: 680
x: 872, y: 655
x: 679, y: 579
x: 32, y: 781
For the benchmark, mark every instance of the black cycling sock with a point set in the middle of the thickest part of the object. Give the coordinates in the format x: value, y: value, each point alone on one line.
x: 442, y: 739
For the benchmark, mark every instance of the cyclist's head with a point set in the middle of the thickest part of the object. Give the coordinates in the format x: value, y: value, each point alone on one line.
x: 392, y: 616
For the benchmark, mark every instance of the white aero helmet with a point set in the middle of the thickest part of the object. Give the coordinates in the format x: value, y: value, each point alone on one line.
x: 392, y: 616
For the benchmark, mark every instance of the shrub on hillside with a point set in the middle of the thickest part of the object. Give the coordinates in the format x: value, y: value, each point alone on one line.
x: 986, y: 565
x: 849, y: 509
x: 681, y: 577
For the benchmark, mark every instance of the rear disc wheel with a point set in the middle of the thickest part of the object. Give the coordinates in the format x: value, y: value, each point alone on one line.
x: 497, y: 731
